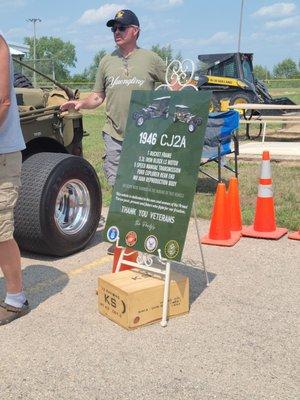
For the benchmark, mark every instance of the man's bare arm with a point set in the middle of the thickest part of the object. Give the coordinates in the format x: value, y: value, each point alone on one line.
x: 4, y: 80
x: 94, y: 100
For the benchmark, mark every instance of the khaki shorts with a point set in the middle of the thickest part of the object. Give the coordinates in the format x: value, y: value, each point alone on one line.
x: 10, y: 171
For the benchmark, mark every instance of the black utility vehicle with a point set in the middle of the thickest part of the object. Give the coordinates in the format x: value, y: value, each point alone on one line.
x: 158, y: 109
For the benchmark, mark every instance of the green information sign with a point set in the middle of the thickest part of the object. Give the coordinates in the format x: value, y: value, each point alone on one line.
x: 158, y: 170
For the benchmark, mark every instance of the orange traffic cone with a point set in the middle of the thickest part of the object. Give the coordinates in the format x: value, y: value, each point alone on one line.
x: 264, y: 220
x: 294, y: 235
x: 219, y: 231
x: 235, y: 215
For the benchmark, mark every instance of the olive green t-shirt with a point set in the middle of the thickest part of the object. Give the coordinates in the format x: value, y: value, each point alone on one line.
x: 118, y: 76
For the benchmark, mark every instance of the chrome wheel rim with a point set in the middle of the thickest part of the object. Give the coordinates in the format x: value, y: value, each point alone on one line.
x: 72, y: 207
x: 191, y: 128
x: 140, y: 121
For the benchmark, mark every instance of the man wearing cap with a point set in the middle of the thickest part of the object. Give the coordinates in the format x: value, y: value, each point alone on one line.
x: 127, y: 68
x: 15, y: 304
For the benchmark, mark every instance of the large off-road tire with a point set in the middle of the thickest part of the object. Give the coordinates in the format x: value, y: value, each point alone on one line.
x: 59, y: 206
x: 240, y: 97
x: 214, y: 105
x: 21, y: 81
x: 244, y: 98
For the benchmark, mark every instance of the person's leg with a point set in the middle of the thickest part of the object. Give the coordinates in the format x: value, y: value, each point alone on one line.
x: 112, y: 155
x: 10, y: 263
x: 111, y: 160
x: 15, y: 304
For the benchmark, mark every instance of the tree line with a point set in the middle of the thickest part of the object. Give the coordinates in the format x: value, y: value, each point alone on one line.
x: 62, y: 56
x: 286, y: 69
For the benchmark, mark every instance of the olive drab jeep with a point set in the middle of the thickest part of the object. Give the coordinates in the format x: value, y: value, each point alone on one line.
x: 158, y: 109
x: 60, y: 200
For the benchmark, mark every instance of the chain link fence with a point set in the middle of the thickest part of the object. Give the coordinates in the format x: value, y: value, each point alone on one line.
x: 271, y: 83
x: 46, y: 66
x: 282, y: 83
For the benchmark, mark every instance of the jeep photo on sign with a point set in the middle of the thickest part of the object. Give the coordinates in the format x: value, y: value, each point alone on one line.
x: 157, y: 175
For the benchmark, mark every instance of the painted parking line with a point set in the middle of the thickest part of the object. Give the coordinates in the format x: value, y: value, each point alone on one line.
x: 92, y: 265
x: 73, y: 272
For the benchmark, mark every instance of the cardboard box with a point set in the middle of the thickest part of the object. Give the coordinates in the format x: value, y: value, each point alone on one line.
x: 133, y: 298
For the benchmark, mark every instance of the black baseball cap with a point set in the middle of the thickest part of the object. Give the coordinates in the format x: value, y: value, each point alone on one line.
x: 124, y: 17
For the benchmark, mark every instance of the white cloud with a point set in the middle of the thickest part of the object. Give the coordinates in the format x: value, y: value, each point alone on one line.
x: 12, y: 4
x: 17, y: 33
x: 100, y: 42
x: 53, y: 23
x: 218, y: 38
x: 162, y: 5
x: 284, y: 23
x: 257, y: 35
x: 276, y: 10
x: 93, y: 16
x: 277, y: 39
x: 175, y: 2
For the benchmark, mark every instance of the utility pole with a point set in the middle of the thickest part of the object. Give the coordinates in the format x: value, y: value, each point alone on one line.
x: 34, y: 21
x: 240, y: 28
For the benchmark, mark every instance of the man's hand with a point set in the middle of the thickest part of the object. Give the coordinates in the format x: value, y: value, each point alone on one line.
x: 93, y: 100
x: 72, y: 104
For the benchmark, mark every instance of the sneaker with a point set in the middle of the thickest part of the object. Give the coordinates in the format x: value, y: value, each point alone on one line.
x: 9, y: 313
x: 111, y: 249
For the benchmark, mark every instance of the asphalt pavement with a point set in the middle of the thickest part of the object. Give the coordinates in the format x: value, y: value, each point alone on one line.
x: 239, y: 340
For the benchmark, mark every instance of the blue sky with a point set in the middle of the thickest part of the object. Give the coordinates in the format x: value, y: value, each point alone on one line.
x: 271, y: 29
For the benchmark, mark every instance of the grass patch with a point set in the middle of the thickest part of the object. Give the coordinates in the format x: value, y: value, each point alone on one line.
x: 93, y: 147
x: 286, y: 179
x: 286, y: 192
x: 292, y: 93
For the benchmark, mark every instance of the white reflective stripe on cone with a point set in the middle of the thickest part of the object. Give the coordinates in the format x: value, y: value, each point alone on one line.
x: 265, y: 191
x: 265, y: 170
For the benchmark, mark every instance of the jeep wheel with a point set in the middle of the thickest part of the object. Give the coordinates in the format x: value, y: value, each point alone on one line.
x: 175, y: 119
x: 140, y: 120
x: 59, y: 206
x: 191, y: 127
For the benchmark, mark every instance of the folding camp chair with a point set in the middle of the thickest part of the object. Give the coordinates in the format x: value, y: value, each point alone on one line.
x: 220, y: 140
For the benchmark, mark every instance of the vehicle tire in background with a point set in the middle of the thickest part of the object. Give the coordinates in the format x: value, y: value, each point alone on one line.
x: 21, y: 81
x: 214, y: 105
x: 59, y: 206
x: 242, y: 98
